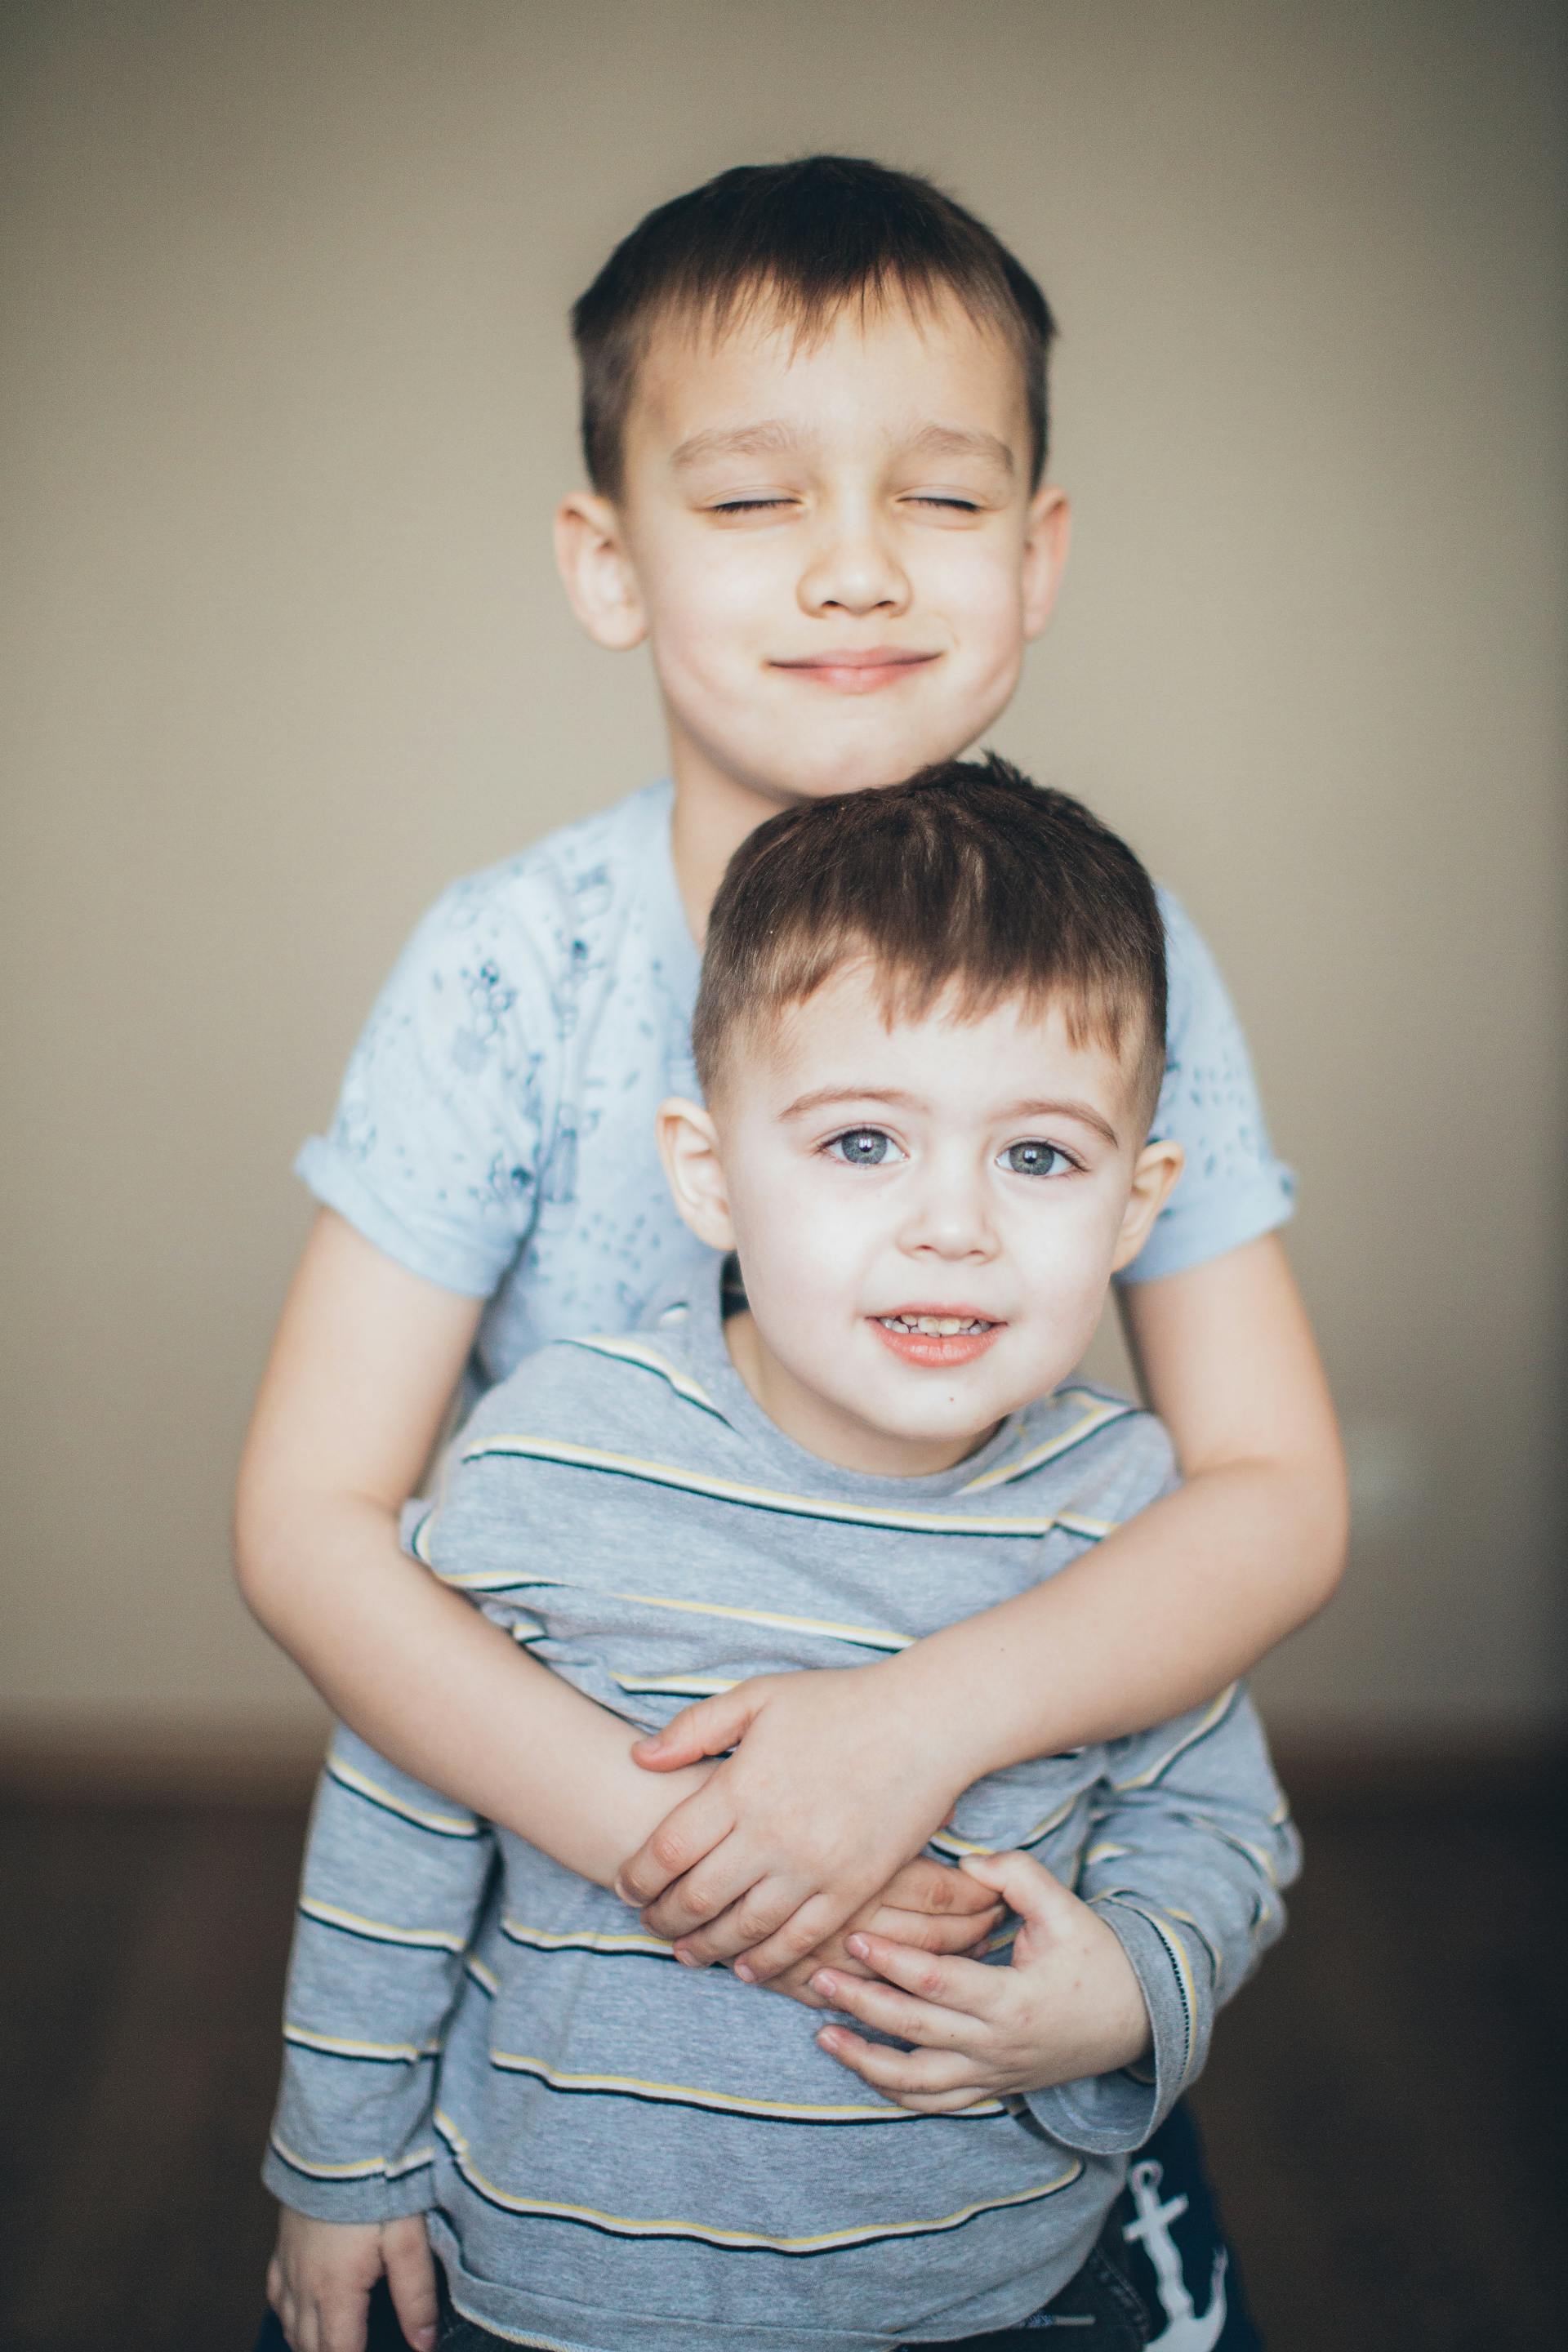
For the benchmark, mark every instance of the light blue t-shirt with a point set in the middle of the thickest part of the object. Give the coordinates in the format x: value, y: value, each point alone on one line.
x: 495, y: 1133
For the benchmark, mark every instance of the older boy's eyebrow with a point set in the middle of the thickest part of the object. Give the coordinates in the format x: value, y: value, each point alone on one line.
x: 962, y: 441
x: 770, y: 437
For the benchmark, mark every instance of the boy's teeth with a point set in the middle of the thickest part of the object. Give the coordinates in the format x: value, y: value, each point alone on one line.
x: 934, y: 1327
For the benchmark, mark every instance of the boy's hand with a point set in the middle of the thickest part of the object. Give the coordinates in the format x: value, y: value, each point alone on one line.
x: 1069, y: 2004
x: 836, y: 1782
x: 320, y: 2275
x: 929, y: 1906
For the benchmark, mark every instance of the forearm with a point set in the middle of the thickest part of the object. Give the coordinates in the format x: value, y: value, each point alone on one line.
x: 1200, y: 1585
x: 427, y: 1681
x: 1163, y: 1613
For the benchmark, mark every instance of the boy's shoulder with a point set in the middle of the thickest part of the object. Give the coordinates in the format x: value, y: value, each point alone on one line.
x: 571, y: 884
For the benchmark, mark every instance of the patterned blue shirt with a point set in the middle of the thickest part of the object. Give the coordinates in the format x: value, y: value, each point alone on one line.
x: 495, y: 1132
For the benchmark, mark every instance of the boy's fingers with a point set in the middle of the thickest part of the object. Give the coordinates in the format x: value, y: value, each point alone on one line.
x: 923, y: 1885
x: 697, y: 1898
x: 706, y: 1729
x: 1039, y: 1900
x: 927, y: 1931
x: 411, y: 2279
x: 282, y: 2303
x: 758, y: 1917
x: 684, y: 1838
x: 341, y: 2321
x: 895, y: 2012
x: 902, y: 2073
x: 968, y: 1987
x: 804, y: 1931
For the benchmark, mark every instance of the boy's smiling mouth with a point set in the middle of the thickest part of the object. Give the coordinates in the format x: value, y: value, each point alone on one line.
x: 861, y: 669
x: 936, y: 1337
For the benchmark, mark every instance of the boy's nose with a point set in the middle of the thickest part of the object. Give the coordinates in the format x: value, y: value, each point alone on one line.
x: 854, y: 570
x: 950, y: 1223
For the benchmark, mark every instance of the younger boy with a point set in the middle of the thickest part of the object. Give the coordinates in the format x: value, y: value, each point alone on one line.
x: 930, y: 1035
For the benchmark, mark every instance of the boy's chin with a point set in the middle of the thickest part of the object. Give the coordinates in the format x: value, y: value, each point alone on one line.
x: 867, y: 762
x: 963, y: 1428
x: 872, y: 767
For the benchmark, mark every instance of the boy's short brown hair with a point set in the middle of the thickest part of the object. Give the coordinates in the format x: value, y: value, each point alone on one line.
x: 967, y: 878
x: 806, y: 238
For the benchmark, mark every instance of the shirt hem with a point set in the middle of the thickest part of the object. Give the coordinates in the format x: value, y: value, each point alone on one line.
x: 528, y: 2318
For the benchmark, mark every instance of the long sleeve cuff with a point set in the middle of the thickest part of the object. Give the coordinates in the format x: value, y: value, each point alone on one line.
x: 374, y: 2189
x: 1112, y: 2114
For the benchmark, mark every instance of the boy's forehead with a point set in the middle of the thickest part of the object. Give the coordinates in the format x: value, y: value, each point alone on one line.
x: 888, y: 373
x: 856, y: 1036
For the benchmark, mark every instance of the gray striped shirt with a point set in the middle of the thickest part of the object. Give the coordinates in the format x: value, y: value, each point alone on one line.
x: 618, y: 2154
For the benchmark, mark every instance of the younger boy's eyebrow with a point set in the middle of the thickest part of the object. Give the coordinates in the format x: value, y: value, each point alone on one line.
x: 820, y: 1097
x: 1085, y: 1113
x: 897, y: 1099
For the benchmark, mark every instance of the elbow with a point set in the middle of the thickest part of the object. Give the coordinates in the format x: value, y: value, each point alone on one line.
x: 277, y: 1531
x: 1321, y: 1511
x: 260, y: 1553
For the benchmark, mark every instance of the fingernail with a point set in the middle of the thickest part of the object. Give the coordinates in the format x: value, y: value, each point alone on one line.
x: 858, y: 1946
x: 829, y: 2038
x: 746, y: 1975
x: 622, y: 1893
x: 687, y: 1959
x: 825, y: 1981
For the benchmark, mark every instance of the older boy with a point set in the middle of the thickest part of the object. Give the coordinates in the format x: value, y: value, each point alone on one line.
x: 931, y: 1036
x: 815, y: 415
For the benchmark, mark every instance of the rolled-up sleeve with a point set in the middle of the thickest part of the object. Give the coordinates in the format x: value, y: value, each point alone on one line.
x: 434, y: 1151
x: 1232, y: 1187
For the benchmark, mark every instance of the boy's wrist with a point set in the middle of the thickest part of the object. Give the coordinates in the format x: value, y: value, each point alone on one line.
x: 925, y: 1688
x: 947, y: 1686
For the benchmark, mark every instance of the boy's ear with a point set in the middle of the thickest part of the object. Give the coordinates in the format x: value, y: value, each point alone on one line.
x: 688, y: 1146
x: 596, y: 569
x: 1157, y: 1169
x: 1046, y: 542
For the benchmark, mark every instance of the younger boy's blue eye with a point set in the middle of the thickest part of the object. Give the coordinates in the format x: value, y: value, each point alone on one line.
x: 1035, y: 1160
x: 865, y: 1147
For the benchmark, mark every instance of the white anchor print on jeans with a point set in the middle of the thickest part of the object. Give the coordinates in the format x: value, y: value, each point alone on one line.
x: 1187, y: 2329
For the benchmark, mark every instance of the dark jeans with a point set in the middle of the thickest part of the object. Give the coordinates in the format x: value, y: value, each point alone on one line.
x: 1162, y: 2274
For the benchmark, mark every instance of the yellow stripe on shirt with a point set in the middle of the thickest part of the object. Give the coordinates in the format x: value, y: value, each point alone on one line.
x: 381, y: 1931
x: 1209, y: 1721
x: 725, y: 2102
x: 827, y: 2241
x: 764, y: 1499
x: 1102, y: 1411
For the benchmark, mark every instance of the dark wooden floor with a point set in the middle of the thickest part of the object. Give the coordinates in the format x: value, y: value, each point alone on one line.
x: 1384, y: 2106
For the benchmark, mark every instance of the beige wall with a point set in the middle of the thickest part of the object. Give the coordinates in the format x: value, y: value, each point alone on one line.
x: 289, y: 403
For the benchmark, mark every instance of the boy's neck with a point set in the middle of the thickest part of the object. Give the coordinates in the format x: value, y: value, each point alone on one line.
x: 819, y: 1426
x: 711, y: 818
